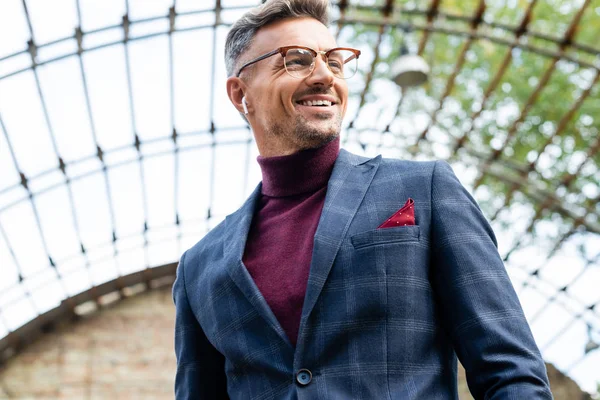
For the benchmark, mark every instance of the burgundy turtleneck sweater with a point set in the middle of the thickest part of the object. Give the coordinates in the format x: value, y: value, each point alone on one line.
x: 280, y: 242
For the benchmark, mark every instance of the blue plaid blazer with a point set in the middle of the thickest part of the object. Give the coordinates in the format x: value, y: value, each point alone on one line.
x: 386, y: 311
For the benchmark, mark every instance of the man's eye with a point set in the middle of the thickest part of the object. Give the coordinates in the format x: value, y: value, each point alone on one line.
x: 335, y: 65
x: 298, y: 61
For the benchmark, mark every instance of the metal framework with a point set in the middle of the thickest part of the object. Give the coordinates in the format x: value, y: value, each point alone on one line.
x: 525, y: 182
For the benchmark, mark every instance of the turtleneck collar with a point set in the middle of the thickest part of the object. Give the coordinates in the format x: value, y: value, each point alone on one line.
x: 302, y: 172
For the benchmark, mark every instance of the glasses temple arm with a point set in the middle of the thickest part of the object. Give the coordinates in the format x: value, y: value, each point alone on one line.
x: 269, y: 54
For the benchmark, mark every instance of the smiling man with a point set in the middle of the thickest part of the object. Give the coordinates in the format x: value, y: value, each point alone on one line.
x: 341, y: 277
x: 296, y: 101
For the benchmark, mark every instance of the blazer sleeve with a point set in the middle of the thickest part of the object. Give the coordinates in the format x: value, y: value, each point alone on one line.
x: 200, y: 367
x: 478, y: 303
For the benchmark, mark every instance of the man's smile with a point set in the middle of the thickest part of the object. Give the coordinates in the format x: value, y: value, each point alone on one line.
x: 317, y: 103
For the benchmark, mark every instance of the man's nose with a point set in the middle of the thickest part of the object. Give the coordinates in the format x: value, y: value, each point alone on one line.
x: 321, y: 74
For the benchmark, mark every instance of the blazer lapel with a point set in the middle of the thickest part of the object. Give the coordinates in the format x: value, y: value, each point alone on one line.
x: 350, y: 179
x: 238, y: 227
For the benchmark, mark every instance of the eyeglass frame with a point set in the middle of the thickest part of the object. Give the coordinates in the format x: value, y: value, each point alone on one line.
x: 283, y: 51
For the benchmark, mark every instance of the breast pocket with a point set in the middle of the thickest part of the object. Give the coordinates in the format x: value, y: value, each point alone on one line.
x: 383, y: 236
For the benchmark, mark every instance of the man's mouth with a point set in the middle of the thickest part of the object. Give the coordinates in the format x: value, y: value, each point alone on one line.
x: 316, y: 103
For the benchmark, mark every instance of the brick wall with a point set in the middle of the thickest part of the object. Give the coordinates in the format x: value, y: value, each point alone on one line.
x: 123, y: 351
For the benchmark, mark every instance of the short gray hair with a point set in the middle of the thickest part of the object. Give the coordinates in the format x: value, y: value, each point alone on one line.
x: 242, y: 33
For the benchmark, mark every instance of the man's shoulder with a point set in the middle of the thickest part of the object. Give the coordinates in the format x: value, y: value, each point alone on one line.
x: 408, y: 165
x: 391, y: 163
x: 391, y: 169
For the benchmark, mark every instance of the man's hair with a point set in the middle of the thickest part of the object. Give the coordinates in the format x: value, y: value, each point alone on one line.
x: 243, y: 31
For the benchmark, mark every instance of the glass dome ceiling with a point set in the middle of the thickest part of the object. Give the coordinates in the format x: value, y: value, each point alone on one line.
x: 119, y: 148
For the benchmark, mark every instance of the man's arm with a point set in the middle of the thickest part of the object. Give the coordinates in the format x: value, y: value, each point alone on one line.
x: 200, y: 367
x: 478, y: 303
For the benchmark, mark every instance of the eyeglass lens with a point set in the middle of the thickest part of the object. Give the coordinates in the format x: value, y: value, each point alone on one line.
x: 300, y: 63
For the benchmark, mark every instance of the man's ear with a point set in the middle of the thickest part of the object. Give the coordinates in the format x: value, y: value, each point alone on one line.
x: 236, y: 88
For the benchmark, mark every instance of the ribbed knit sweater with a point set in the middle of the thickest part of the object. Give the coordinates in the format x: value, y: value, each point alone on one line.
x: 280, y: 242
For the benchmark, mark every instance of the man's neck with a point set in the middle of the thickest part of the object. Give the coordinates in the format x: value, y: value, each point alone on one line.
x: 301, y: 172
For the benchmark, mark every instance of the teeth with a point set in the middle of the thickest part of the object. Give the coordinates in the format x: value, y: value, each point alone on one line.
x: 316, y: 103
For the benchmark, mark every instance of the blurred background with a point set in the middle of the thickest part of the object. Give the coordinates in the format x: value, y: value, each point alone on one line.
x: 119, y: 150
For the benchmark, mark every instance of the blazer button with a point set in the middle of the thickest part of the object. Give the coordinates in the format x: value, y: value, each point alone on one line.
x: 304, y: 377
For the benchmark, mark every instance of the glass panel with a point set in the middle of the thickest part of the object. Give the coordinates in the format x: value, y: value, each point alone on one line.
x: 95, y: 14
x: 131, y: 261
x: 9, y: 175
x: 229, y: 167
x: 570, y: 346
x: 104, y: 271
x: 46, y: 181
x: 57, y: 223
x: 46, y: 290
x: 112, y: 37
x: 23, y: 236
x: 18, y: 313
x: 164, y: 252
x: 193, y: 5
x: 127, y: 193
x: 12, y: 196
x: 586, y: 372
x: 586, y: 287
x: 63, y: 91
x: 15, y: 64
x: 192, y: 79
x: 13, y: 28
x: 158, y: 175
x: 139, y: 9
x: 8, y: 272
x: 240, y: 3
x: 92, y: 210
x: 82, y: 169
x: 50, y: 54
x: 107, y: 83
x: 52, y: 20
x: 143, y: 29
x: 194, y: 21
x: 101, y: 253
x: 25, y: 124
x: 549, y: 322
x: 229, y: 16
x: 11, y: 295
x: 150, y: 81
x: 77, y: 281
x: 194, y: 183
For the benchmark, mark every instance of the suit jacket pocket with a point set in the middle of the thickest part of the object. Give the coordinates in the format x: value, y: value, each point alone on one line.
x: 409, y: 233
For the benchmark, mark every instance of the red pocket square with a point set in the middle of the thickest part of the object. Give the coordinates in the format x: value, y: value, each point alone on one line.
x: 402, y: 217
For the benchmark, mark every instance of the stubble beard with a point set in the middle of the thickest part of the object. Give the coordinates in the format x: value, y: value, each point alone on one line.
x: 308, y: 134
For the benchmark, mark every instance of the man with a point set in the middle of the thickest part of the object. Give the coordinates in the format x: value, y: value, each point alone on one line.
x: 323, y: 285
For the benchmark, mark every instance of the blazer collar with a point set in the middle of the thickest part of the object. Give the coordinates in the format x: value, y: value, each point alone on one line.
x: 349, y: 181
x: 351, y: 177
x: 237, y: 226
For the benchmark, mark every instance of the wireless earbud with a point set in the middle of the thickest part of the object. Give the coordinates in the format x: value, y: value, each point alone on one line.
x: 245, y: 105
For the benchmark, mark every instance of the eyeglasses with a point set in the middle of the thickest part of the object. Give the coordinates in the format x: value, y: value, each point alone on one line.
x: 300, y: 61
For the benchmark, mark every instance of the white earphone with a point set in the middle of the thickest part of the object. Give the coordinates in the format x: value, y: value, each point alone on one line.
x: 245, y: 105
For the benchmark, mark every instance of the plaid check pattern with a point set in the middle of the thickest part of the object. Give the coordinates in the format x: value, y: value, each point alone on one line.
x: 386, y: 312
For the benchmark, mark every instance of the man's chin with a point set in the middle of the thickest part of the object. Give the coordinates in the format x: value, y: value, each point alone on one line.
x: 326, y: 126
x: 316, y: 137
x: 316, y: 132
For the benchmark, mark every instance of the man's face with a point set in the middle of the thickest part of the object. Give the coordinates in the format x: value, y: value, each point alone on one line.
x: 280, y: 112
